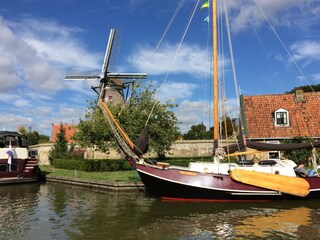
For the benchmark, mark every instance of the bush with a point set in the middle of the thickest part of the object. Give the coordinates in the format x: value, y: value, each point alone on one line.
x: 92, y: 165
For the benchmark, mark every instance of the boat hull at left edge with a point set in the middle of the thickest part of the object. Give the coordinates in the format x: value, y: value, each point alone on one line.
x: 25, y: 170
x: 17, y: 163
x: 178, y: 184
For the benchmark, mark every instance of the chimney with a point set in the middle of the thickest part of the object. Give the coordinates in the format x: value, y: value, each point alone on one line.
x: 299, y: 96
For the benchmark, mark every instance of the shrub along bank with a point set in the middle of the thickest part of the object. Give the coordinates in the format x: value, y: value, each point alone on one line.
x: 110, y: 165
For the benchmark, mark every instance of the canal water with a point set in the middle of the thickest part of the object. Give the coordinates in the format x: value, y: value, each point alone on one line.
x: 59, y: 211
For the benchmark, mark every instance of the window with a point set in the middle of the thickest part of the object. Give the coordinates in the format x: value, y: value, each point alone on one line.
x: 281, y: 117
x: 274, y: 155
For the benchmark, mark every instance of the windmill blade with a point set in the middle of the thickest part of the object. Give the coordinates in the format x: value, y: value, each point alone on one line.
x: 82, y: 77
x: 128, y: 75
x: 110, y: 82
x: 108, y: 51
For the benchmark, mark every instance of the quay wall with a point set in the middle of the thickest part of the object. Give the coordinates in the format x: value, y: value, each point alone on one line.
x: 180, y: 148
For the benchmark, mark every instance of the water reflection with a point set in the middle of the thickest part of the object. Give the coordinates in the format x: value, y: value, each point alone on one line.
x: 276, y: 220
x: 58, y: 211
x: 238, y: 221
x: 13, y: 204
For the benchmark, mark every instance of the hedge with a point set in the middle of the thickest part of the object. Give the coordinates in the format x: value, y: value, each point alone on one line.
x: 90, y: 165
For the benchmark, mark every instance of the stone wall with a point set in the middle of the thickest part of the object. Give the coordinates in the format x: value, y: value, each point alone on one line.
x: 181, y: 148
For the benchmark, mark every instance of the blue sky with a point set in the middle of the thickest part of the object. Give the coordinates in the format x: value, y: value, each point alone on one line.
x: 42, y: 40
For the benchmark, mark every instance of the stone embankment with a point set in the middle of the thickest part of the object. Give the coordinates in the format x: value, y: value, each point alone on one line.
x: 115, y: 186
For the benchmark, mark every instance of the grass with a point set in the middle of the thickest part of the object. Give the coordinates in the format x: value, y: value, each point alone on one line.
x: 117, y: 176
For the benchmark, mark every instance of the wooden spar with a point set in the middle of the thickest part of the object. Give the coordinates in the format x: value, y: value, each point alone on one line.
x: 122, y: 132
x: 215, y: 75
x: 285, y: 184
x: 245, y: 153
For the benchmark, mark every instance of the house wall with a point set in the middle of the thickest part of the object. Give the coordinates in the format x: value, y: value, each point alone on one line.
x: 181, y: 148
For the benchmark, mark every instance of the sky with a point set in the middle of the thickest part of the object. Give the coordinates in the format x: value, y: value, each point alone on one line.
x: 276, y: 47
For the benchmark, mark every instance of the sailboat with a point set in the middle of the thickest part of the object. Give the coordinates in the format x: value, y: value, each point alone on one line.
x: 210, y: 181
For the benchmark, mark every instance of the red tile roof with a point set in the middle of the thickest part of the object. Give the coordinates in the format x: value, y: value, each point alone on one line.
x: 70, y: 131
x: 304, y: 116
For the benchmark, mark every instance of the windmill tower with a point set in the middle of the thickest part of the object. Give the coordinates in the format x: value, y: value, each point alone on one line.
x: 112, y: 86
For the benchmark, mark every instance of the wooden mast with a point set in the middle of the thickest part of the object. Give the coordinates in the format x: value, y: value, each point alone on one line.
x: 215, y: 76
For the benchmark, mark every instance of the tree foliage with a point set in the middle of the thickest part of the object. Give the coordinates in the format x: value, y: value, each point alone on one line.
x: 33, y: 137
x: 306, y: 88
x: 230, y: 127
x: 300, y: 155
x: 60, y: 147
x: 94, y: 131
x: 198, y: 132
x: 22, y: 130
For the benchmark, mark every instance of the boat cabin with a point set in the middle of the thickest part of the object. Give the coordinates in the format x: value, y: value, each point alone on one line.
x: 15, y: 163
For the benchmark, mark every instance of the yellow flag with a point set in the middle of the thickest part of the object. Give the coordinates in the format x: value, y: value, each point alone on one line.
x: 205, y: 5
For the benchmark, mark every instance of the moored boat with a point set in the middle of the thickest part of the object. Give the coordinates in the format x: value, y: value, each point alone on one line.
x: 16, y: 164
x: 178, y: 183
x: 218, y: 181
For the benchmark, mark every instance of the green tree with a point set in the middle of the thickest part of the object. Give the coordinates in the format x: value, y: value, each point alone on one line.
x: 300, y: 155
x: 32, y: 138
x: 22, y: 130
x: 60, y: 147
x: 94, y: 131
x: 196, y: 132
x: 162, y: 124
x: 306, y: 88
x: 43, y: 138
x: 231, y: 126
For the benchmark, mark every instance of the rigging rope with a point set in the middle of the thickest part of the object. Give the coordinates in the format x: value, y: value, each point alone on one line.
x: 285, y: 48
x: 157, y: 47
x: 225, y: 8
x: 174, y: 57
x: 288, y: 52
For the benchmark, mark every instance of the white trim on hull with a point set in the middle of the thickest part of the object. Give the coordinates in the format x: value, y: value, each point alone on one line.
x: 17, y: 180
x: 230, y: 191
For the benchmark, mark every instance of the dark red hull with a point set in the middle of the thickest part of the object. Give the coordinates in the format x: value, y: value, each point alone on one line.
x: 181, y: 184
x: 23, y: 170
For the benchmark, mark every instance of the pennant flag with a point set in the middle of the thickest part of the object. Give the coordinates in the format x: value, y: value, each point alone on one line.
x: 10, y: 154
x: 205, y: 5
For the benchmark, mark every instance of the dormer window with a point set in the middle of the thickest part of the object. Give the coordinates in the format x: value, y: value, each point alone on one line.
x: 281, y: 118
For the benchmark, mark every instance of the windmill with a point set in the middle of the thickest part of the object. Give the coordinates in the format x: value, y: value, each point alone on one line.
x: 112, y: 85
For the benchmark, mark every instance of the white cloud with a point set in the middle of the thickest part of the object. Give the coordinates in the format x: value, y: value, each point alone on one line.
x: 192, y: 113
x: 44, y: 111
x: 11, y: 122
x: 191, y: 59
x: 8, y: 77
x: 34, y: 54
x: 195, y: 112
x: 175, y: 91
x: 316, y: 77
x: 246, y: 15
x: 22, y: 103
x: 303, y: 50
